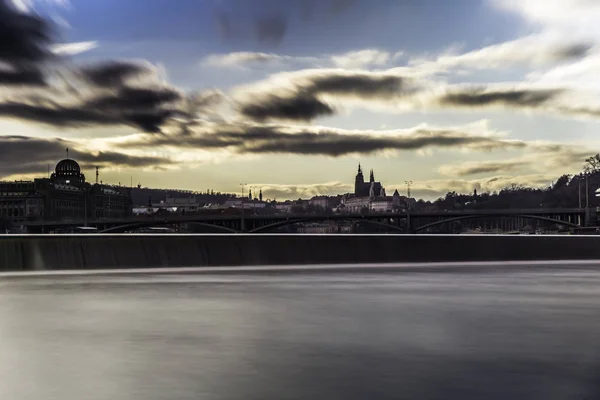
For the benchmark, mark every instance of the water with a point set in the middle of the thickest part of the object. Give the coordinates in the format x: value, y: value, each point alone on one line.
x: 526, y: 333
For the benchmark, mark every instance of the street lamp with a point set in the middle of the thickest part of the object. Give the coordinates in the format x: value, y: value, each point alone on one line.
x: 242, y: 222
x: 253, y: 189
x: 408, y: 183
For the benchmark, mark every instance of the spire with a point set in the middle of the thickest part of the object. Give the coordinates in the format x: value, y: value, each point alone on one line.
x: 260, y: 195
x: 372, y: 177
x: 359, y: 169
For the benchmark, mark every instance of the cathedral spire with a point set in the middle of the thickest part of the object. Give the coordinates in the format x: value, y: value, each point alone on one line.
x: 372, y: 177
x: 359, y: 169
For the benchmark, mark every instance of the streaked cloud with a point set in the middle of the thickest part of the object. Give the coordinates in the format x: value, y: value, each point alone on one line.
x: 482, y: 167
x: 73, y: 48
x: 244, y: 138
x: 276, y: 96
x: 530, y: 51
x: 22, y: 155
x: 358, y: 59
x: 537, y: 156
x: 364, y: 58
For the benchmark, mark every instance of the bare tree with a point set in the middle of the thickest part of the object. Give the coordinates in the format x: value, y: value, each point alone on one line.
x: 592, y: 164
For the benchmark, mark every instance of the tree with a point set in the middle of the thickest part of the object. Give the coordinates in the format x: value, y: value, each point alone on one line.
x: 592, y: 164
x: 563, y: 181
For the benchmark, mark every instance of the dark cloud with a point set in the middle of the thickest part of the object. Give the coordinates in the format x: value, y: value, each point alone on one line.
x: 25, y: 76
x: 303, y: 103
x: 24, y: 46
x: 146, y: 109
x: 109, y: 158
x: 309, y: 141
x: 128, y: 98
x: 113, y: 73
x: 483, y: 167
x: 360, y: 85
x: 515, y: 98
x: 271, y: 29
x: 572, y: 51
x: 25, y: 37
x: 301, y: 108
x: 95, y: 94
x: 27, y: 155
x: 580, y: 110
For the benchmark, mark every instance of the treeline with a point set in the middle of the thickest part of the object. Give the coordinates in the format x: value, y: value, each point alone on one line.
x: 569, y: 191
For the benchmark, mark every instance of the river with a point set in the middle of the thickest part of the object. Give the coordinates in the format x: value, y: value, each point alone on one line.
x: 483, y: 332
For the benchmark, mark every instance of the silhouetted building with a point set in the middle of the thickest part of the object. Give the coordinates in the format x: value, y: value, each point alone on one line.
x: 370, y: 196
x: 364, y: 189
x: 65, y: 195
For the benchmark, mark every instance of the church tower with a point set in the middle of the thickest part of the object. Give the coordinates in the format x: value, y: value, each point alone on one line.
x: 359, y: 181
x: 372, y: 177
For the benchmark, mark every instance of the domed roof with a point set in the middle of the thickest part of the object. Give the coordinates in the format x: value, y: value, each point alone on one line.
x: 67, y: 166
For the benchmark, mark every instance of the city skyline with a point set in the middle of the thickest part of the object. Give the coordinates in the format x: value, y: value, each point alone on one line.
x: 291, y: 96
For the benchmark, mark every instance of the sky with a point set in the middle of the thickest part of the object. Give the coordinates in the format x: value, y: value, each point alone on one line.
x: 290, y: 96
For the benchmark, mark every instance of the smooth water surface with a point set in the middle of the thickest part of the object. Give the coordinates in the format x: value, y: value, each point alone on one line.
x: 529, y: 332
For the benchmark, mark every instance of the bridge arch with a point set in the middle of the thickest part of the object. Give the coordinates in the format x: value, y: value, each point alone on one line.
x: 124, y: 228
x: 521, y: 216
x: 292, y: 221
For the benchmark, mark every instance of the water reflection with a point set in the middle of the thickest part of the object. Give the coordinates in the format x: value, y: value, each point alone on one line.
x: 498, y: 335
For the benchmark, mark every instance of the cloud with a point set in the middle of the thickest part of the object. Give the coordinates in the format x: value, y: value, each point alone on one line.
x: 308, y: 94
x: 309, y: 140
x: 363, y: 58
x: 539, y: 156
x: 241, y: 58
x: 351, y: 60
x: 143, y: 108
x: 25, y: 76
x: 24, y: 46
x: 306, y: 191
x: 529, y: 51
x: 22, y: 155
x: 114, y: 73
x: 576, y: 14
x: 47, y: 89
x: 73, y: 48
x: 26, y: 37
x: 307, y: 86
x: 304, y: 107
x: 480, y: 97
x: 482, y: 167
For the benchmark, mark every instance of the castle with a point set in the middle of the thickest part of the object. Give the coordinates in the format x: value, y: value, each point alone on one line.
x: 370, y: 189
x: 370, y: 195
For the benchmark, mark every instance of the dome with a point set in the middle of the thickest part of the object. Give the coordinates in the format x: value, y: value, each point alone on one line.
x: 67, y: 167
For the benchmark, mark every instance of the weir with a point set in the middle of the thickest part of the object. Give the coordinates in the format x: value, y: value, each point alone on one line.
x: 68, y: 252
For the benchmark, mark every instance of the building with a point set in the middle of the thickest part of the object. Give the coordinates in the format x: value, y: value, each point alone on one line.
x: 19, y: 201
x: 370, y: 196
x: 320, y: 202
x: 179, y: 205
x: 65, y: 195
x: 364, y: 189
